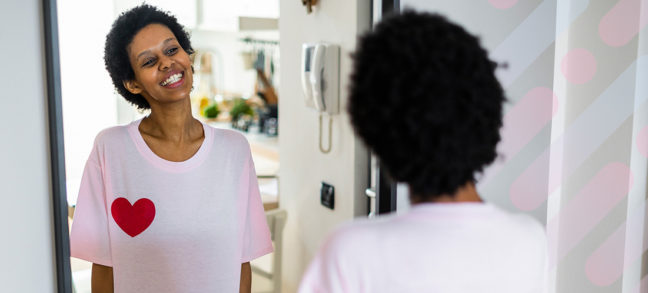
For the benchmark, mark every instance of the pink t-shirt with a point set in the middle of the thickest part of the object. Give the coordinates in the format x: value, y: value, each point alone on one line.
x: 170, y: 226
x: 457, y: 248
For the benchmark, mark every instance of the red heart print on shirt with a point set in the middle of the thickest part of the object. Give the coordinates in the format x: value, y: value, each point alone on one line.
x: 133, y: 219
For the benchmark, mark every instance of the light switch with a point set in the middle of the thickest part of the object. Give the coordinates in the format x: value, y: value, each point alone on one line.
x: 327, y: 195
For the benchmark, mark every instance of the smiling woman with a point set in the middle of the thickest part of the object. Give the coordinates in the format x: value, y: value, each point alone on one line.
x: 153, y: 214
x: 162, y: 70
x: 148, y: 27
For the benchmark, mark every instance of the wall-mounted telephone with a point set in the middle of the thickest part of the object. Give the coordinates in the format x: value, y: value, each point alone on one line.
x: 320, y: 78
x: 320, y: 75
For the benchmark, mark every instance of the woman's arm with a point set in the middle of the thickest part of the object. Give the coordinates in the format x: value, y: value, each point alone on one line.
x: 246, y: 278
x: 102, y: 279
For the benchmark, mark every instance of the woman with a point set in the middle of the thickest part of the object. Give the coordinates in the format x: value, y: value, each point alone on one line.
x: 167, y: 203
x: 425, y: 100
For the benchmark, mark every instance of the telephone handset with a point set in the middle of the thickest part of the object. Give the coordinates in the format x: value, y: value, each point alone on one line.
x: 316, y: 77
x: 307, y: 53
x: 320, y: 74
x: 320, y: 68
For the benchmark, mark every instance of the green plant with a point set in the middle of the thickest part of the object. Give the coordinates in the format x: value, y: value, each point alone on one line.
x: 240, y: 108
x: 211, y: 111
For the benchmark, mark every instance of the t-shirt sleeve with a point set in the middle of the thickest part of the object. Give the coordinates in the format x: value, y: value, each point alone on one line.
x: 256, y: 240
x: 89, y: 238
x: 329, y: 271
x: 317, y: 278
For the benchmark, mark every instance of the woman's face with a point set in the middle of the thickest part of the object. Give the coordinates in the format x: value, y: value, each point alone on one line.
x: 162, y: 68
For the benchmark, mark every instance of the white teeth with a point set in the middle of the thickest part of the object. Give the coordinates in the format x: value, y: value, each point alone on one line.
x: 172, y: 79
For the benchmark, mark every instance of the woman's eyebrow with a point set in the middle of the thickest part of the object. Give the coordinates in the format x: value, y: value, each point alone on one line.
x: 147, y: 51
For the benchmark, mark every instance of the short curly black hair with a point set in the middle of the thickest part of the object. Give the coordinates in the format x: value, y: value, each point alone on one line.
x: 125, y: 27
x: 424, y: 98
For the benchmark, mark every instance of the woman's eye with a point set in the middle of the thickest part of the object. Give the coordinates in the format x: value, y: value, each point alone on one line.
x: 148, y: 62
x: 172, y: 51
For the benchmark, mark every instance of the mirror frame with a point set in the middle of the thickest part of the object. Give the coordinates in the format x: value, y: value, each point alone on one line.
x: 57, y: 150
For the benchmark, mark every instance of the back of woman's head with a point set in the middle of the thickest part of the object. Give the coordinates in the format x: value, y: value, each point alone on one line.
x: 425, y: 100
x: 125, y: 27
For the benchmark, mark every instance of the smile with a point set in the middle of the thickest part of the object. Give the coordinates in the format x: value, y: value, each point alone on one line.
x: 172, y: 79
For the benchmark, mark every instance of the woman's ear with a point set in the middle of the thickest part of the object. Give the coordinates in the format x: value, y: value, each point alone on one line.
x: 132, y: 86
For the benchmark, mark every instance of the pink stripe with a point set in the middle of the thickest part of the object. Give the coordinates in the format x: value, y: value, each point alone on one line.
x: 606, y: 264
x: 593, y: 202
x: 530, y: 115
x: 578, y: 66
x: 523, y: 122
x: 623, y: 22
x: 531, y: 188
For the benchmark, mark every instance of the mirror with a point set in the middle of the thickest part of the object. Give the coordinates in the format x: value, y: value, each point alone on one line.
x: 230, y: 91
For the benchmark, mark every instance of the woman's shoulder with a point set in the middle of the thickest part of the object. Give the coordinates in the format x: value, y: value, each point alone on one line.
x: 112, y: 134
x: 362, y: 231
x: 231, y: 138
x: 525, y: 223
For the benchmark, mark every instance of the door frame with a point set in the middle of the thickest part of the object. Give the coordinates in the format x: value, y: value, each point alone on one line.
x: 57, y: 150
x: 385, y: 188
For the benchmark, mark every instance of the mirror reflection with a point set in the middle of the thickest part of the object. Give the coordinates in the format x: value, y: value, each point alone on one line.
x: 220, y: 83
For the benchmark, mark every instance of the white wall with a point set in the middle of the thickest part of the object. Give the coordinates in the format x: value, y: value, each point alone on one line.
x: 303, y: 167
x: 26, y: 249
x: 89, y: 102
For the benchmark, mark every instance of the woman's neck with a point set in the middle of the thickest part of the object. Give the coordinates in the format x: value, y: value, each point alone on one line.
x: 465, y: 193
x: 171, y: 122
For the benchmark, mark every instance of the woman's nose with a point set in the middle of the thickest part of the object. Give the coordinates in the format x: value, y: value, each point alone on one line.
x: 165, y: 63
